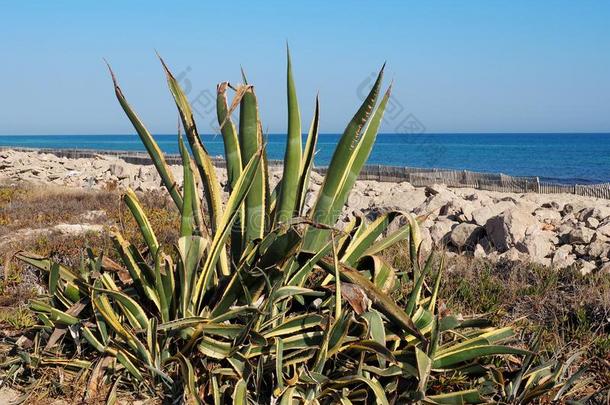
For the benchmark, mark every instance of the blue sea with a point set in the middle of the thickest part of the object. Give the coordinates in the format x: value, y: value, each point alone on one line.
x: 563, y: 158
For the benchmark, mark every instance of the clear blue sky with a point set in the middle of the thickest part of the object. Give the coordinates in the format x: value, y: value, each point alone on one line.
x: 457, y: 66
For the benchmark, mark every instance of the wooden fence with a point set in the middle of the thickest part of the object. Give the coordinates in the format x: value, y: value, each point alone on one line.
x: 418, y: 177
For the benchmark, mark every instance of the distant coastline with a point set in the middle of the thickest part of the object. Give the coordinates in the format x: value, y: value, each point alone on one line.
x: 564, y: 158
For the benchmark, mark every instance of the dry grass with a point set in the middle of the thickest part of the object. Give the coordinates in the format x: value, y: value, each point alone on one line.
x: 570, y: 310
x: 28, y: 215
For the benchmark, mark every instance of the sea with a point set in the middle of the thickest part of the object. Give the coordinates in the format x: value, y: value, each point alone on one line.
x: 568, y: 158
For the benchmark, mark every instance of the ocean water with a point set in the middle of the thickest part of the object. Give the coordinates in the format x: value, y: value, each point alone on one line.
x: 563, y: 158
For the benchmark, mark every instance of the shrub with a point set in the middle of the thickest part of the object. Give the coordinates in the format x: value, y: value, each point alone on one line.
x: 236, y: 311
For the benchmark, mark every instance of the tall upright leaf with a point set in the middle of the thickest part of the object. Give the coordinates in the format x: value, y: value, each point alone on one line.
x: 307, y: 159
x: 352, y: 151
x: 150, y: 144
x: 292, y: 157
x: 206, y: 168
x: 251, y: 141
x: 229, y: 135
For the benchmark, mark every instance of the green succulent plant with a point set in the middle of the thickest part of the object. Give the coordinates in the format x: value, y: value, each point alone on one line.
x: 260, y: 301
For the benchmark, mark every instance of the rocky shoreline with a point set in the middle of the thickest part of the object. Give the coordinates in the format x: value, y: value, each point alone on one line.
x: 557, y: 230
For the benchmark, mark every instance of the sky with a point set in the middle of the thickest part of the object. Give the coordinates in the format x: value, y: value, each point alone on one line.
x: 469, y: 66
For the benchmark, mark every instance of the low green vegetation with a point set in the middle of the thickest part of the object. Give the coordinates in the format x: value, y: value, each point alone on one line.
x: 259, y: 302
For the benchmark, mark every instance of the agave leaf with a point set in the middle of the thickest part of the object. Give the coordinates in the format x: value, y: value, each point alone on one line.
x: 382, y: 244
x: 424, y: 367
x: 132, y: 202
x: 128, y: 304
x: 211, y: 185
x: 240, y: 394
x: 229, y: 135
x: 416, y: 291
x: 376, y: 330
x: 307, y: 159
x: 382, y: 301
x: 414, y: 245
x: 384, y: 275
x: 214, y: 348
x: 456, y: 398
x: 365, y: 239
x: 236, y: 198
x: 328, y: 204
x: 188, y: 378
x: 103, y: 306
x: 233, y: 160
x: 465, y: 354
x: 149, y: 142
x: 373, y: 383
x: 188, y: 194
x: 139, y: 278
x: 295, y: 324
x: 191, y: 250
x: 487, y: 338
x: 251, y: 142
x: 53, y: 278
x: 164, y: 285
x: 45, y: 264
x: 288, y: 193
x: 53, y: 313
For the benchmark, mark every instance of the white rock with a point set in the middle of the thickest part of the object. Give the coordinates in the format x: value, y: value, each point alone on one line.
x: 466, y: 235
x: 481, y: 215
x: 510, y: 228
x: 563, y: 257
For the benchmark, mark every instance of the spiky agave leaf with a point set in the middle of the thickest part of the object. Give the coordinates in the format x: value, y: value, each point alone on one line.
x: 251, y: 143
x: 288, y: 193
x: 347, y: 161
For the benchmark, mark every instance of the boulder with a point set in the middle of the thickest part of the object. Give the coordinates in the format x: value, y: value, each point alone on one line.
x: 552, y: 205
x: 537, y: 245
x: 598, y: 249
x: 509, y: 228
x: 466, y: 235
x: 513, y: 255
x: 426, y: 241
x: 600, y: 213
x: 548, y: 216
x: 580, y: 235
x: 481, y: 215
x: 439, y: 232
x: 434, y: 202
x: 479, y: 251
x: 586, y: 267
x: 592, y: 222
x: 567, y: 209
x: 604, y: 229
x: 563, y: 257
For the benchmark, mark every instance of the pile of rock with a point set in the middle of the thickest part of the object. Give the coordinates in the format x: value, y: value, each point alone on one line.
x: 100, y: 172
x: 554, y: 230
x: 557, y: 230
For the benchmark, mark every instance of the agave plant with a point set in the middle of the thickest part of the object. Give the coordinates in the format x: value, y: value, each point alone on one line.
x: 237, y: 311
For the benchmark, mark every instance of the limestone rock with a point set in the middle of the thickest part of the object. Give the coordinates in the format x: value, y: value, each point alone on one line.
x: 538, y: 245
x: 481, y: 215
x: 586, y: 267
x: 466, y: 235
x: 510, y: 228
x: 592, y: 222
x: 563, y: 257
x: 548, y: 216
x: 580, y: 235
x: 440, y: 231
